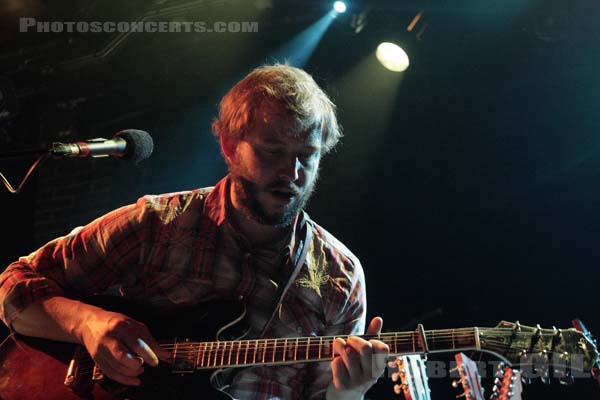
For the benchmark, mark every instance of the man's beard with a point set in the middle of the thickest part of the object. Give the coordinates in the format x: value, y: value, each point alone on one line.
x: 246, y: 193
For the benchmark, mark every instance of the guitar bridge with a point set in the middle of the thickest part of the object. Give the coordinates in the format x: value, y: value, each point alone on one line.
x: 79, y: 374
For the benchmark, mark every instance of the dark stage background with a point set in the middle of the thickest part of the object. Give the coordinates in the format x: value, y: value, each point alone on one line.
x: 469, y: 185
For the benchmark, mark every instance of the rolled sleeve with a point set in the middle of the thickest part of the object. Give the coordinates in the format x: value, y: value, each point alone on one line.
x: 84, y: 262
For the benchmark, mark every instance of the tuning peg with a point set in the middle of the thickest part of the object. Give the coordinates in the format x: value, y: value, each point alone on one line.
x: 517, y: 327
x: 397, y: 389
x: 455, y: 383
x: 462, y: 368
x: 395, y: 377
x: 526, y: 380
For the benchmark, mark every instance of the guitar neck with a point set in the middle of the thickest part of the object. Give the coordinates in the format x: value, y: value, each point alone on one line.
x: 188, y: 356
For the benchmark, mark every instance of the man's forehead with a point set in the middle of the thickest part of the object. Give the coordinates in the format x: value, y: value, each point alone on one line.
x: 275, y: 124
x: 309, y: 137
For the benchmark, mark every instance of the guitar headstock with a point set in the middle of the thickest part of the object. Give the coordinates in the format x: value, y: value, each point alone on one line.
x: 507, y: 384
x: 412, y: 377
x: 469, y: 377
x: 536, y: 351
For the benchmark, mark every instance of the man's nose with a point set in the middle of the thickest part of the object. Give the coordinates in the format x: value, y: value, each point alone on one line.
x: 290, y: 170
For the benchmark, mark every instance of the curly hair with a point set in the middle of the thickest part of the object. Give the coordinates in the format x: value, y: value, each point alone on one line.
x: 290, y: 87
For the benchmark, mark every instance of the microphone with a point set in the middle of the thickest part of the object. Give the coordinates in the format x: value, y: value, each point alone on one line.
x: 129, y: 144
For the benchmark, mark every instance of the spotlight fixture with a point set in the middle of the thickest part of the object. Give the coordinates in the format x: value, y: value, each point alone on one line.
x: 340, y: 7
x: 392, y: 57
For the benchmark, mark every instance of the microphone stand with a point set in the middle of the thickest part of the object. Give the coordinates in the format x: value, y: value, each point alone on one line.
x: 43, y: 154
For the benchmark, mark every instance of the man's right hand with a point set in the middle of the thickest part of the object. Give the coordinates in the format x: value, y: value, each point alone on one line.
x: 119, y: 345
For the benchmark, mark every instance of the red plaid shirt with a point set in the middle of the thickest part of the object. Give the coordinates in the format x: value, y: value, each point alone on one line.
x: 179, y: 249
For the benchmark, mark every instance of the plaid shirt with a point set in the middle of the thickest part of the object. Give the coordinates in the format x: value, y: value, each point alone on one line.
x: 180, y: 249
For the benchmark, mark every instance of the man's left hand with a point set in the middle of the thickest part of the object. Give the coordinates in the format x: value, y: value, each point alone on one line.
x: 357, y: 364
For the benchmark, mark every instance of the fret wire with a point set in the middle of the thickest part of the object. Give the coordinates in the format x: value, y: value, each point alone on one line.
x: 207, y: 352
x: 296, y: 350
x: 266, y: 342
x: 203, y: 361
x: 284, y: 349
x: 246, y: 355
x: 237, y: 354
x: 216, y: 353
x: 255, y: 351
x: 202, y: 353
x: 320, y: 346
x: 211, y: 349
x: 175, y: 352
x: 230, y: 351
x: 198, y: 356
x: 307, y: 348
x: 274, y: 349
x: 211, y: 353
x: 223, y: 353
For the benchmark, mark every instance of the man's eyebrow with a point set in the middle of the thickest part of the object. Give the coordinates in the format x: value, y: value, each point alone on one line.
x: 279, y: 142
x: 273, y: 141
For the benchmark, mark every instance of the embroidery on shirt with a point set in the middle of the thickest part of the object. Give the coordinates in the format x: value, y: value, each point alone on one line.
x: 316, y: 274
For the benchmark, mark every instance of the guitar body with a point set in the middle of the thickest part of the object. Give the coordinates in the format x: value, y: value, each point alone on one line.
x: 35, y: 369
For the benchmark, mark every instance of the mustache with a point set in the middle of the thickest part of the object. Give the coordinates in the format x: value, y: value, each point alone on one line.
x: 283, y: 187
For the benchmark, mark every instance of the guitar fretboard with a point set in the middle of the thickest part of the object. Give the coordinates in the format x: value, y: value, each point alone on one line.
x: 188, y: 356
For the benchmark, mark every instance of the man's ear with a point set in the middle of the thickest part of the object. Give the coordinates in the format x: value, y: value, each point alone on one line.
x: 228, y: 147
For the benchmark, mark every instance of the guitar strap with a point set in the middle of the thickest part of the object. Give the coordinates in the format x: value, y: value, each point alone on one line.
x: 298, y: 262
x: 223, y: 377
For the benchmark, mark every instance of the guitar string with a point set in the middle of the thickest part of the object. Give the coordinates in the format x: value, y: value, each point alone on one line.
x: 499, y: 347
x: 252, y: 348
x: 250, y: 345
x: 315, y: 340
x: 436, y: 334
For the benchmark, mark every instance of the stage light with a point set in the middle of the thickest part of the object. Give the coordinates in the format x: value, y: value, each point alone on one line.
x: 339, y: 6
x: 392, y: 57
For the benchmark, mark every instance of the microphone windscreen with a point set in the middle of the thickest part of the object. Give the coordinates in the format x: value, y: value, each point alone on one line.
x: 139, y: 144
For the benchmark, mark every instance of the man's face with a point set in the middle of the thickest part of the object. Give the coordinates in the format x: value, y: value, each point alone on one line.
x: 273, y: 171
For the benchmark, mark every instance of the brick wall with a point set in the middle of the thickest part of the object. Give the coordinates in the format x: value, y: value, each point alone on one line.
x: 73, y: 192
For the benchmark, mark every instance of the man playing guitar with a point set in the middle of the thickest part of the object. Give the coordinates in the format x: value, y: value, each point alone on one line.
x: 248, y: 238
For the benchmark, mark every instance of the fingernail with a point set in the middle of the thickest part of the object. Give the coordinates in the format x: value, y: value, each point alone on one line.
x: 143, y: 344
